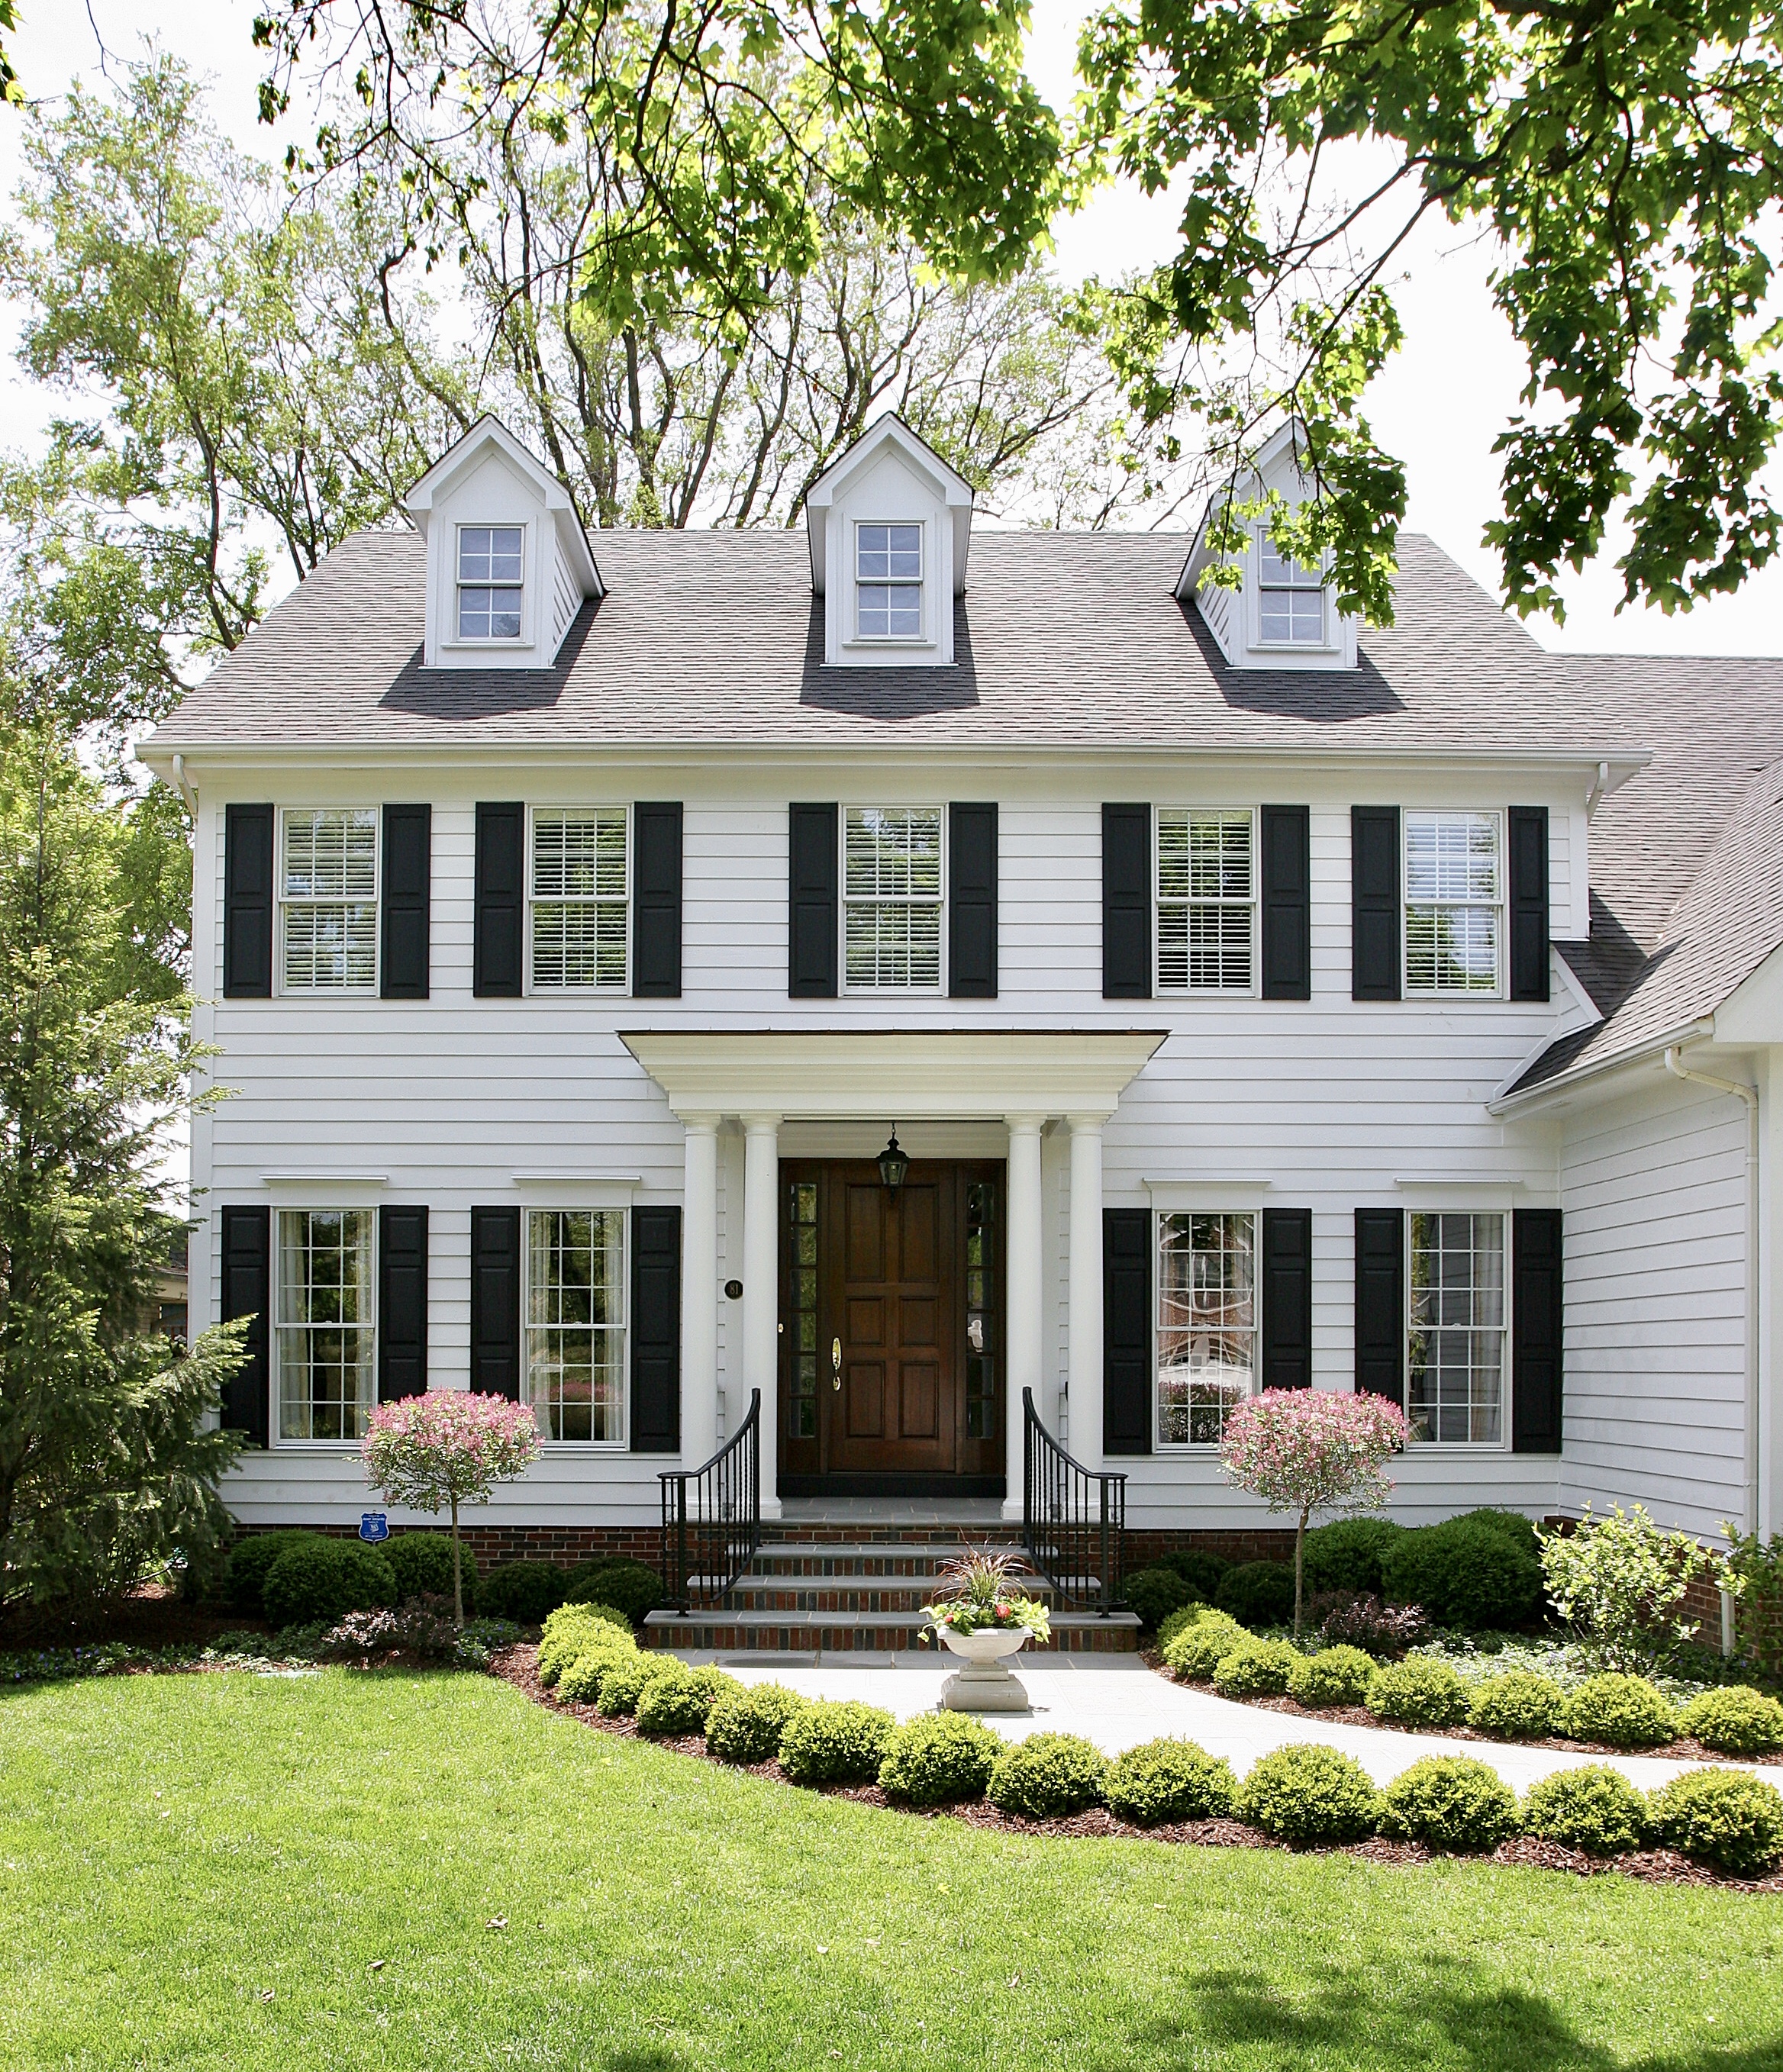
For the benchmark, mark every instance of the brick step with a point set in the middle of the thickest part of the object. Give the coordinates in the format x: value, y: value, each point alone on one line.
x: 804, y: 1632
x: 862, y: 1558
x: 851, y: 1596
x: 796, y: 1532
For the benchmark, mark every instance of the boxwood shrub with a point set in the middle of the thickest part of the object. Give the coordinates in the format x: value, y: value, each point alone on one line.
x: 1169, y: 1780
x: 835, y: 1742
x: 1048, y: 1777
x: 245, y: 1571
x: 1450, y: 1802
x: 527, y: 1592
x: 1195, y: 1650
x: 1201, y: 1571
x: 580, y: 1681
x: 1735, y: 1720
x: 937, y: 1758
x: 1511, y: 1525
x: 613, y: 1580
x: 323, y: 1580
x: 421, y: 1562
x: 1464, y: 1573
x: 1256, y: 1669
x: 1257, y: 1592
x: 623, y: 1684
x: 1347, y: 1554
x: 1174, y: 1623
x: 1623, y: 1712
x: 1418, y: 1693
x: 1306, y: 1793
x: 1722, y: 1817
x: 568, y: 1629
x: 679, y: 1703
x: 1333, y: 1677
x: 1517, y: 1705
x: 1594, y: 1808
x: 747, y: 1727
x: 1154, y: 1594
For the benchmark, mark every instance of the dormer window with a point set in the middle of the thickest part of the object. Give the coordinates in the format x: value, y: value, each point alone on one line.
x: 489, y: 581
x: 1291, y: 599
x: 888, y: 582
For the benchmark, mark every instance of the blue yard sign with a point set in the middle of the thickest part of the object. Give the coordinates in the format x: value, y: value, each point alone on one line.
x: 373, y: 1525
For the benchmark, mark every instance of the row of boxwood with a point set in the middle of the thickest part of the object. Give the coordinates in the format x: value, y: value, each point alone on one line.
x: 1515, y: 1704
x: 1305, y: 1795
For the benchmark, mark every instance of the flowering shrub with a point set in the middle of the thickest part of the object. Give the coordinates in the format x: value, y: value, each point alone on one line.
x: 1383, y: 1630
x: 448, y: 1448
x: 974, y: 1596
x: 1620, y: 1582
x: 423, y: 1625
x: 1305, y: 1449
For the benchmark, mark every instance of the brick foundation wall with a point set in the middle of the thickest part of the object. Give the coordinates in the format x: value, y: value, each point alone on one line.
x: 565, y: 1544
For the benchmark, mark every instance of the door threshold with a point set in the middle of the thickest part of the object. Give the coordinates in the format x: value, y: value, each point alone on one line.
x: 979, y: 1487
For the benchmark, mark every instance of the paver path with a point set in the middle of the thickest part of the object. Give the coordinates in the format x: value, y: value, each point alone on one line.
x: 1116, y: 1702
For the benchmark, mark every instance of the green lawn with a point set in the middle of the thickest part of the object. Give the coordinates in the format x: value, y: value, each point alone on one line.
x: 177, y: 1848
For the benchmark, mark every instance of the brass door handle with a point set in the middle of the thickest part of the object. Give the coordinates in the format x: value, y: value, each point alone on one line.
x: 835, y: 1362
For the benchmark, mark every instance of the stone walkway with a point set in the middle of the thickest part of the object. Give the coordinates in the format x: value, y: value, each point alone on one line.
x: 1116, y: 1702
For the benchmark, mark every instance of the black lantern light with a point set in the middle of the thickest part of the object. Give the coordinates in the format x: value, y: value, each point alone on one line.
x: 893, y: 1165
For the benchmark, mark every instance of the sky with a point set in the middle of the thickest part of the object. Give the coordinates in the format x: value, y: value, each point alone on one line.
x: 1438, y: 405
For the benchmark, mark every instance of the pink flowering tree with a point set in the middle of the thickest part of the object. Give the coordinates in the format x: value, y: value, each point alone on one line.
x: 1304, y: 1449
x: 448, y: 1447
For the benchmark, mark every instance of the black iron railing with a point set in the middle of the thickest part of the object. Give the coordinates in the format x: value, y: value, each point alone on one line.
x: 1074, y: 1518
x: 711, y: 1517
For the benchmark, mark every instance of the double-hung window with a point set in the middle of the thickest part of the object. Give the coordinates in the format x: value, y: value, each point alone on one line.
x: 327, y: 885
x: 1290, y: 598
x: 1454, y: 900
x: 892, y: 898
x: 580, y: 902
x: 491, y: 582
x: 575, y: 1323
x: 888, y: 582
x: 1456, y: 1327
x: 1207, y: 900
x: 1207, y: 1324
x: 324, y: 1327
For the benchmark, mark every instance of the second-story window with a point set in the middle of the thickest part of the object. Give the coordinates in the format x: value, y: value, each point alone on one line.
x: 490, y: 583
x: 1207, y: 900
x: 1454, y: 892
x: 892, y: 898
x: 1290, y: 598
x: 888, y: 582
x: 580, y: 905
x: 327, y: 905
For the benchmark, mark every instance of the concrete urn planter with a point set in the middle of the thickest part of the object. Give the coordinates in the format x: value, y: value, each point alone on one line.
x: 984, y: 1684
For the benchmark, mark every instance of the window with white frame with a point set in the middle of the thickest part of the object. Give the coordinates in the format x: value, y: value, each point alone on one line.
x: 575, y: 1323
x: 491, y: 582
x: 892, y: 898
x: 1290, y: 598
x: 324, y: 1327
x: 1207, y: 900
x: 1456, y: 1327
x: 1207, y: 1324
x: 1454, y: 897
x: 580, y: 903
x: 888, y: 582
x: 328, y: 900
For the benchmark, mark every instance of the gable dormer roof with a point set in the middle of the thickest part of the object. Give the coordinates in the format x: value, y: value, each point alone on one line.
x: 462, y: 456
x: 951, y: 491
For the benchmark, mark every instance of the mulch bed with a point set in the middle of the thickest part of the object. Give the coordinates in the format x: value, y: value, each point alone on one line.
x: 519, y: 1666
x: 151, y: 1616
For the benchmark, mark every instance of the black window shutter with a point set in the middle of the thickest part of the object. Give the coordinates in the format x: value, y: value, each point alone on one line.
x: 1285, y: 848
x: 1536, y: 1302
x: 402, y: 1302
x: 1126, y: 1330
x: 495, y: 1302
x: 1374, y: 902
x: 501, y: 924
x: 655, y: 1330
x: 1287, y: 1298
x: 811, y: 901
x: 1126, y: 902
x: 408, y: 895
x: 1528, y: 902
x: 248, y: 902
x: 972, y: 901
x: 656, y: 900
x: 247, y: 1292
x: 1381, y: 1303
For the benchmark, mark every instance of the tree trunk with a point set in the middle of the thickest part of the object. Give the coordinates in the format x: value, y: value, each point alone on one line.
x: 1299, y: 1557
x: 458, y: 1576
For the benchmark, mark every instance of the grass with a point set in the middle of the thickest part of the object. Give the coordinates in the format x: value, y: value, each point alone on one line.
x: 201, y: 1871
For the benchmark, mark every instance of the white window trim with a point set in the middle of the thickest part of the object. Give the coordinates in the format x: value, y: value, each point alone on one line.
x: 500, y: 642
x: 1329, y: 638
x: 1500, y: 905
x: 1160, y: 991
x: 1203, y: 1448
x: 276, y: 1323
x: 938, y: 990
x: 578, y: 992
x: 1502, y: 1443
x: 280, y: 904
x: 575, y: 1448
x: 920, y: 583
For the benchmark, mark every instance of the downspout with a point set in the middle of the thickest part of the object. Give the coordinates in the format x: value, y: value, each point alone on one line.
x: 186, y: 788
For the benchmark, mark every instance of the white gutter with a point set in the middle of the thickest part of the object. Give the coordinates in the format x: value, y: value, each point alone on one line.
x: 1685, y: 1032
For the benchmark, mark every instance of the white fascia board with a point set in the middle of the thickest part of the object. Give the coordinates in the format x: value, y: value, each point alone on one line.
x: 1587, y: 1082
x: 952, y: 489
x: 465, y: 453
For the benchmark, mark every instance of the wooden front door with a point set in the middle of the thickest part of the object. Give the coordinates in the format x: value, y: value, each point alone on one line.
x: 891, y: 1321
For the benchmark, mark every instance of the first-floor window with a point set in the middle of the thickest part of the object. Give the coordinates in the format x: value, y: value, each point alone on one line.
x: 575, y: 1322
x: 1207, y: 1324
x: 1457, y: 1328
x: 327, y: 1375
x: 892, y: 898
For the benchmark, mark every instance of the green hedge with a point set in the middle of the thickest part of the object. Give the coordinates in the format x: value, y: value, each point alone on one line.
x: 633, y: 1586
x: 1257, y: 1592
x: 1048, y: 1777
x: 1621, y: 1712
x: 1450, y: 1802
x: 1735, y: 1720
x: 1306, y: 1793
x: 1333, y: 1677
x: 1154, y: 1594
x: 245, y: 1571
x: 1595, y: 1808
x: 320, y: 1581
x: 1194, y: 1651
x: 748, y: 1728
x: 1469, y: 1572
x: 678, y: 1703
x: 1722, y: 1817
x: 939, y: 1757
x: 526, y: 1592
x: 1348, y: 1555
x: 624, y: 1684
x: 835, y: 1743
x: 421, y: 1562
x: 1418, y: 1693
x: 1168, y: 1780
x: 1517, y: 1705
x: 1256, y: 1669
x: 568, y: 1629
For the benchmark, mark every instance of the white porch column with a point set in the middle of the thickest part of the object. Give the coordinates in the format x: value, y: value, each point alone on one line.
x: 761, y: 1295
x: 1086, y: 1289
x: 1022, y: 1278
x: 699, y: 1292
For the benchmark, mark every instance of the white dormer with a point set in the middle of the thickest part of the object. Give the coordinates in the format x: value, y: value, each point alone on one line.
x: 509, y: 565
x: 1285, y: 617
x: 889, y: 523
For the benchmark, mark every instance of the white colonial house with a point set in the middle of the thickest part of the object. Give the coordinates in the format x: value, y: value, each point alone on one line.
x: 1258, y: 998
